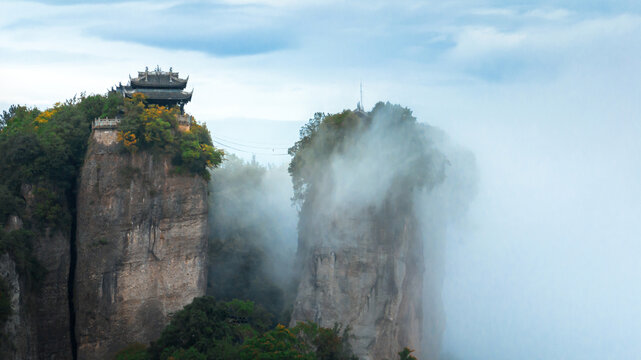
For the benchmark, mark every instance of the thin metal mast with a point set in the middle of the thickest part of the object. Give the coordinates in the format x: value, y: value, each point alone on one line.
x: 362, y: 107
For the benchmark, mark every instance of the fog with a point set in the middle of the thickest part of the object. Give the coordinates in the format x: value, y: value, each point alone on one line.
x: 357, y: 177
x: 546, y: 265
x: 545, y: 262
x: 252, y: 236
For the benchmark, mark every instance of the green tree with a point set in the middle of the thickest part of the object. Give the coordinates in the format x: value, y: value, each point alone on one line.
x: 277, y: 344
x: 328, y: 135
x: 155, y: 128
x: 406, y: 354
x: 19, y: 245
x: 42, y: 151
x: 306, y: 340
x: 136, y: 351
x: 211, y: 328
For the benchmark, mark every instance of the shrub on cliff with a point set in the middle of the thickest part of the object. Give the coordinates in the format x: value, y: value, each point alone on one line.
x: 155, y: 128
x: 364, y: 153
x: 135, y: 351
x: 19, y: 245
x: 46, y: 148
x: 42, y: 149
x: 406, y: 354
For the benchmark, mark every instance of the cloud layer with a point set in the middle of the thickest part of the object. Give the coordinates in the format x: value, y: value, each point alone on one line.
x: 545, y: 95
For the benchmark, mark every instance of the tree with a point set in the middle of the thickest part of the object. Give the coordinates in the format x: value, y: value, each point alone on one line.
x: 209, y: 328
x: 327, y: 136
x: 155, y: 128
x: 406, y: 354
x: 278, y: 344
x: 306, y: 340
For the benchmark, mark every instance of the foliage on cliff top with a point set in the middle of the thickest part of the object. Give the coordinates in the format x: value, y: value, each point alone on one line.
x: 155, y: 128
x: 42, y: 152
x: 388, y: 139
x: 45, y: 148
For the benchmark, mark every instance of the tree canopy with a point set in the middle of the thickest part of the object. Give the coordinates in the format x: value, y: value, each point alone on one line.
x: 409, y: 155
x: 155, y: 128
x: 216, y: 330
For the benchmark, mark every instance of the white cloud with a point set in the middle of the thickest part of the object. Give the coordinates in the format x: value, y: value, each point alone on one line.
x: 546, y: 98
x: 475, y: 41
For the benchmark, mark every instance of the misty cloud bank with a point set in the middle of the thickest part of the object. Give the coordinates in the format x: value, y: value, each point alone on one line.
x: 252, y: 234
x: 442, y: 212
x: 376, y: 190
x: 363, y: 183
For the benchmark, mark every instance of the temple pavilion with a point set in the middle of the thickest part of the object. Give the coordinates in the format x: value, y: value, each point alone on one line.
x: 163, y: 88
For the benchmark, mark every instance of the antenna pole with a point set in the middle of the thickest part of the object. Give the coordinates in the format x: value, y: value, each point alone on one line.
x: 362, y: 95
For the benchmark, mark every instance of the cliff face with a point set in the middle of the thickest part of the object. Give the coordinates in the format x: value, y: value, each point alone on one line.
x: 52, y: 321
x: 39, y: 327
x: 141, y: 246
x: 18, y: 330
x: 362, y: 178
x: 364, y: 271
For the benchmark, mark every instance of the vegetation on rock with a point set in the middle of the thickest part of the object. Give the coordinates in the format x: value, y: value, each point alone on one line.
x: 210, y: 328
x: 42, y: 152
x: 327, y: 136
x: 155, y: 128
x: 213, y: 330
x: 406, y: 354
x: 306, y: 340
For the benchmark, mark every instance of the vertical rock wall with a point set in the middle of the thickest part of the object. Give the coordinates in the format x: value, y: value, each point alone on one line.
x: 18, y: 336
x: 362, y: 178
x: 39, y: 327
x: 364, y: 271
x: 52, y: 298
x: 141, y: 246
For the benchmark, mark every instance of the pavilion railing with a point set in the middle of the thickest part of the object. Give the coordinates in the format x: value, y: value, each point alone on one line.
x: 105, y: 123
x: 112, y: 123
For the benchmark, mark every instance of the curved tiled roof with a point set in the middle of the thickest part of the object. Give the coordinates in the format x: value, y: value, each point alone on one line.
x: 158, y: 79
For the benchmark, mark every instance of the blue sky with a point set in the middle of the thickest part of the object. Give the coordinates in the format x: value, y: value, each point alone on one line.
x: 545, y: 93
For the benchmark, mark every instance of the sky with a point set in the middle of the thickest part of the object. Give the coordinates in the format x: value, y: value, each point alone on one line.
x: 546, y: 94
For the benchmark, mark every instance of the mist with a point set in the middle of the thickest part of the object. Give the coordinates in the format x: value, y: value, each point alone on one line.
x: 546, y: 265
x: 540, y: 252
x: 252, y: 237
x: 377, y: 190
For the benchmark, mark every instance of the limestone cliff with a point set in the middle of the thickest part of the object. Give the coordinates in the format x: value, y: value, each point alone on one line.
x: 141, y: 246
x: 18, y: 336
x: 361, y: 238
x: 39, y: 326
x: 365, y: 272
